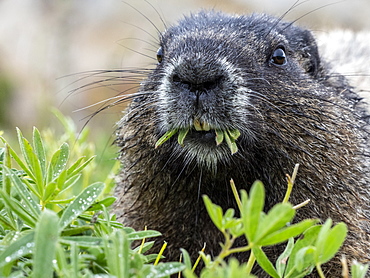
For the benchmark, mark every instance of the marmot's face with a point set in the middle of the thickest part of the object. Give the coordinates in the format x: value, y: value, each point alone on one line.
x: 218, y: 73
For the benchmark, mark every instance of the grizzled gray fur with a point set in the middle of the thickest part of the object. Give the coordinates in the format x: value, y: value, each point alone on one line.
x: 266, y: 78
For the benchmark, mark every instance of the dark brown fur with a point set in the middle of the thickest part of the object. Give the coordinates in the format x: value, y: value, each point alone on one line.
x: 218, y: 69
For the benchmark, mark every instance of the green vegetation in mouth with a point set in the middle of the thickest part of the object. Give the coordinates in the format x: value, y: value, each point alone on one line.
x: 165, y: 137
x: 182, y: 135
x: 230, y: 136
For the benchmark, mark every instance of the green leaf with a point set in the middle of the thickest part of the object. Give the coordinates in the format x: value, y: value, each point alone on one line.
x: 46, y: 238
x: 39, y: 148
x: 230, y: 143
x: 234, y: 134
x: 146, y: 247
x: 165, y: 137
x: 32, y: 161
x: 308, y: 239
x: 82, y: 241
x: 167, y: 269
x: 214, y: 211
x: 59, y: 160
x: 77, y: 230
x: 21, y: 141
x: 49, y: 191
x: 182, y: 135
x: 359, y: 270
x: 106, y: 202
x: 68, y: 183
x: 305, y: 258
x: 61, y: 180
x: 329, y: 241
x: 277, y: 217
x: 81, y: 203
x: 117, y: 249
x: 143, y: 234
x: 282, y: 261
x: 264, y: 262
x: 74, y: 259
x: 322, y: 237
x: 219, y: 136
x: 186, y: 258
x: 20, y: 162
x: 16, y: 207
x: 26, y: 197
x: 21, y: 247
x: 62, y: 265
x: 228, y: 220
x: 7, y: 163
x: 286, y: 233
x: 61, y: 201
x: 75, y: 169
x: 251, y: 209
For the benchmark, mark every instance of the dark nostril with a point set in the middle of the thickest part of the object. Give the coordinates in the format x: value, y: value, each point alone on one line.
x: 212, y: 83
x: 207, y: 85
x: 181, y: 82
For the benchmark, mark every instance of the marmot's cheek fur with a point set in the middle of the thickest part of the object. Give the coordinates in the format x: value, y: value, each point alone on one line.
x: 265, y: 78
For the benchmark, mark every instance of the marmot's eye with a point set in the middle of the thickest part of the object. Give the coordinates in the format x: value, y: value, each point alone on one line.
x: 279, y: 57
x: 160, y: 55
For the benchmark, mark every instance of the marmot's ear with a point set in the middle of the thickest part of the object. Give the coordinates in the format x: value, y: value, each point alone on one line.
x: 309, y: 53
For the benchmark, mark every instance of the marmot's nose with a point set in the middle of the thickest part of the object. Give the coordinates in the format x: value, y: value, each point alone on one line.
x: 197, y: 86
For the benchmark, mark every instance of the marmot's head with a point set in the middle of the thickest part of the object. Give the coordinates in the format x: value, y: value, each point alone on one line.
x: 220, y: 76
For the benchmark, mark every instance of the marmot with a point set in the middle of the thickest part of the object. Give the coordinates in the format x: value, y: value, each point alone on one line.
x: 266, y: 79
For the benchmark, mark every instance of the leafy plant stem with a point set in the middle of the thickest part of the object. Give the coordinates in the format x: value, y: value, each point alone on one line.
x: 291, y: 180
x: 236, y: 195
x: 319, y: 270
x: 302, y: 204
x: 198, y: 259
x: 250, y: 263
x: 226, y: 251
x: 142, y: 242
x: 237, y: 250
x: 160, y: 253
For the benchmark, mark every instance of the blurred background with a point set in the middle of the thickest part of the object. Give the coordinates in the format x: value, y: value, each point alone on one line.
x: 50, y: 48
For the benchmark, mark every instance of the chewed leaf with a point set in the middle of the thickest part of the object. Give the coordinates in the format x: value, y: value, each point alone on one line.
x: 234, y: 134
x: 219, y: 136
x: 231, y: 143
x: 165, y: 137
x: 182, y: 135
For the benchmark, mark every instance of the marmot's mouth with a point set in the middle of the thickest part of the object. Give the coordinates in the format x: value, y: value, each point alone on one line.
x: 203, y: 131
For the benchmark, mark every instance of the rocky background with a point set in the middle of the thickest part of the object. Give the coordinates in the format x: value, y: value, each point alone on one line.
x: 48, y: 48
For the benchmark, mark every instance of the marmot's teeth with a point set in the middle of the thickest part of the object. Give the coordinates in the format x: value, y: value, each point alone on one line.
x: 206, y: 126
x: 197, y: 125
x: 201, y: 126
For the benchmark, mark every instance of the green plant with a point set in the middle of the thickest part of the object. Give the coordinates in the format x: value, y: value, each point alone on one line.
x: 318, y: 245
x: 46, y: 229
